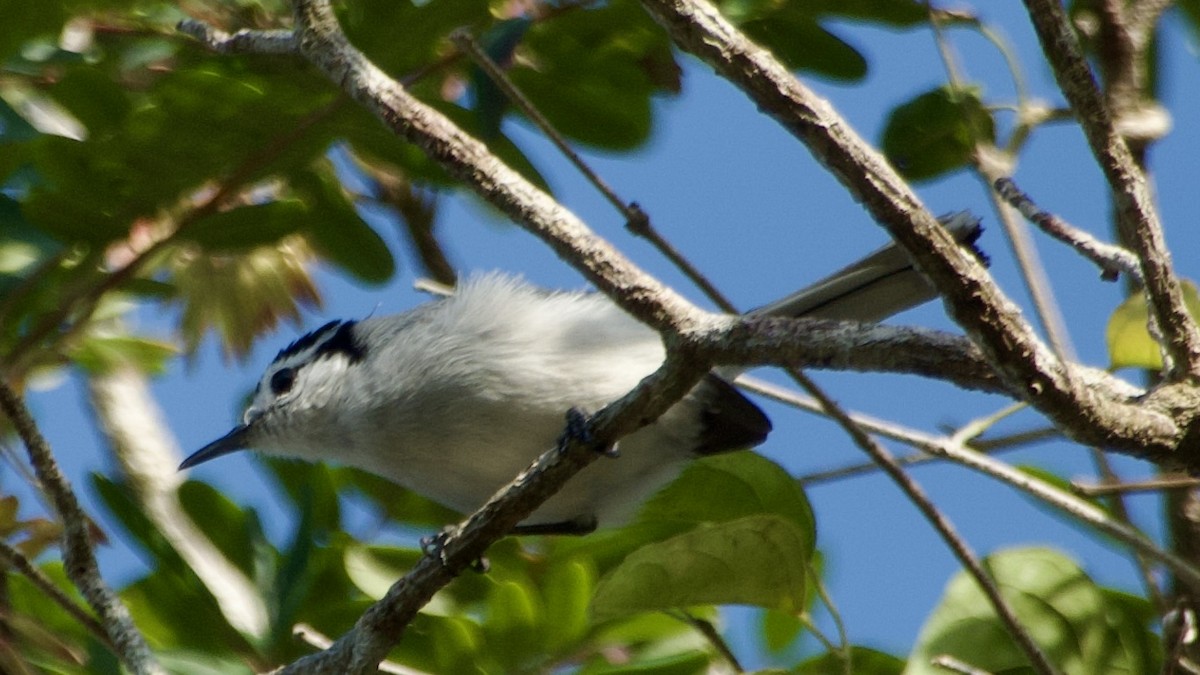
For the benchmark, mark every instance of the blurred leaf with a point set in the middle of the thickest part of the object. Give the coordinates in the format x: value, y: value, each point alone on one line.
x: 779, y: 630
x: 311, y: 485
x: 373, y: 569
x: 294, y: 578
x: 593, y: 71
x: 234, y: 530
x: 336, y: 230
x: 102, y: 354
x: 514, y: 612
x: 170, y: 604
x: 117, y: 498
x: 26, y: 20
x: 94, y: 98
x: 863, y: 661
x: 1076, y: 622
x: 241, y: 296
x: 490, y: 102
x: 794, y: 33
x: 684, y: 662
x: 747, y: 484
x: 801, y: 43
x: 14, y: 128
x: 1127, y: 335
x: 40, y: 534
x: 40, y: 632
x: 247, y: 227
x: 567, y: 589
x: 1190, y: 11
x: 756, y: 560
x: 371, y: 26
x: 399, y: 504
x: 937, y: 132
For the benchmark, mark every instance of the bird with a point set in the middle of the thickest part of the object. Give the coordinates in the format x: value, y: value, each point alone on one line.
x: 454, y: 398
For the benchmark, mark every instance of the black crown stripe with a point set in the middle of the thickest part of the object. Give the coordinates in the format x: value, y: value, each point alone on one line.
x: 342, y: 341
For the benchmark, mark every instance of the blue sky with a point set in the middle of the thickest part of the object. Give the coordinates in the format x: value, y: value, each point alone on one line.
x: 749, y: 206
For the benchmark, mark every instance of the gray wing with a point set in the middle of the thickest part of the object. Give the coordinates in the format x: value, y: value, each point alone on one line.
x: 876, y: 287
x: 872, y: 289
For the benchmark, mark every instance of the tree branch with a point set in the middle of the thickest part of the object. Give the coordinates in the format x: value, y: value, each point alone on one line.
x: 1137, y: 216
x: 970, y: 561
x: 78, y: 558
x: 381, y: 626
x: 973, y: 300
x: 11, y: 557
x: 149, y: 455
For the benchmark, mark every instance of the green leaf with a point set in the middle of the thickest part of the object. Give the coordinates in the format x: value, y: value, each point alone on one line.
x: 1127, y: 335
x: 757, y: 560
x: 730, y: 486
x: 514, y: 611
x: 1081, y: 627
x: 803, y: 44
x: 779, y: 630
x: 247, y: 227
x: 95, y: 99
x: 373, y: 569
x: 307, y: 483
x: 937, y: 132
x: 490, y: 102
x: 102, y: 354
x: 336, y: 230
x: 234, y: 530
x: 567, y: 588
x: 594, y: 70
x: 863, y: 661
x: 14, y: 128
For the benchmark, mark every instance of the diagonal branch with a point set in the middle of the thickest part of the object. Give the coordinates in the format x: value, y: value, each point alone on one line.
x: 1137, y: 216
x: 1026, y: 367
x: 974, y: 301
x: 78, y: 557
x: 381, y: 626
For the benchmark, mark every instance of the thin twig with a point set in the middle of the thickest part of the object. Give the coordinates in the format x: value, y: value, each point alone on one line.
x: 78, y: 557
x: 1111, y: 259
x: 844, y: 647
x: 1128, y: 487
x: 955, y: 665
x: 1064, y: 502
x: 709, y: 631
x: 13, y: 558
x: 1033, y: 272
x: 960, y: 548
x: 806, y: 621
x: 1011, y: 347
x: 636, y: 219
x: 1137, y: 216
x: 1051, y: 318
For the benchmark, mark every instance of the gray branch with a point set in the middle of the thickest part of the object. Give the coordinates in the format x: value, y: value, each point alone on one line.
x: 1137, y: 216
x: 1095, y: 409
x: 78, y: 557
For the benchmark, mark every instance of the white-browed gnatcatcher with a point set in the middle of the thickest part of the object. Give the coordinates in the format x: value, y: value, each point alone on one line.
x: 456, y: 397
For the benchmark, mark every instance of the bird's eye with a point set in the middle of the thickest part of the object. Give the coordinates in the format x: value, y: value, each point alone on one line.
x: 282, y: 380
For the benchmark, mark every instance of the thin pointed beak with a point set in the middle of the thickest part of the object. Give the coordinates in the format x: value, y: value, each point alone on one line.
x: 231, y: 442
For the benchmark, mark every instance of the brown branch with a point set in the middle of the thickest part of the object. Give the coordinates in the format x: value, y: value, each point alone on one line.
x: 1112, y: 260
x: 972, y: 298
x: 11, y: 557
x: 78, y: 557
x: 381, y: 626
x: 970, y: 561
x: 1137, y: 217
